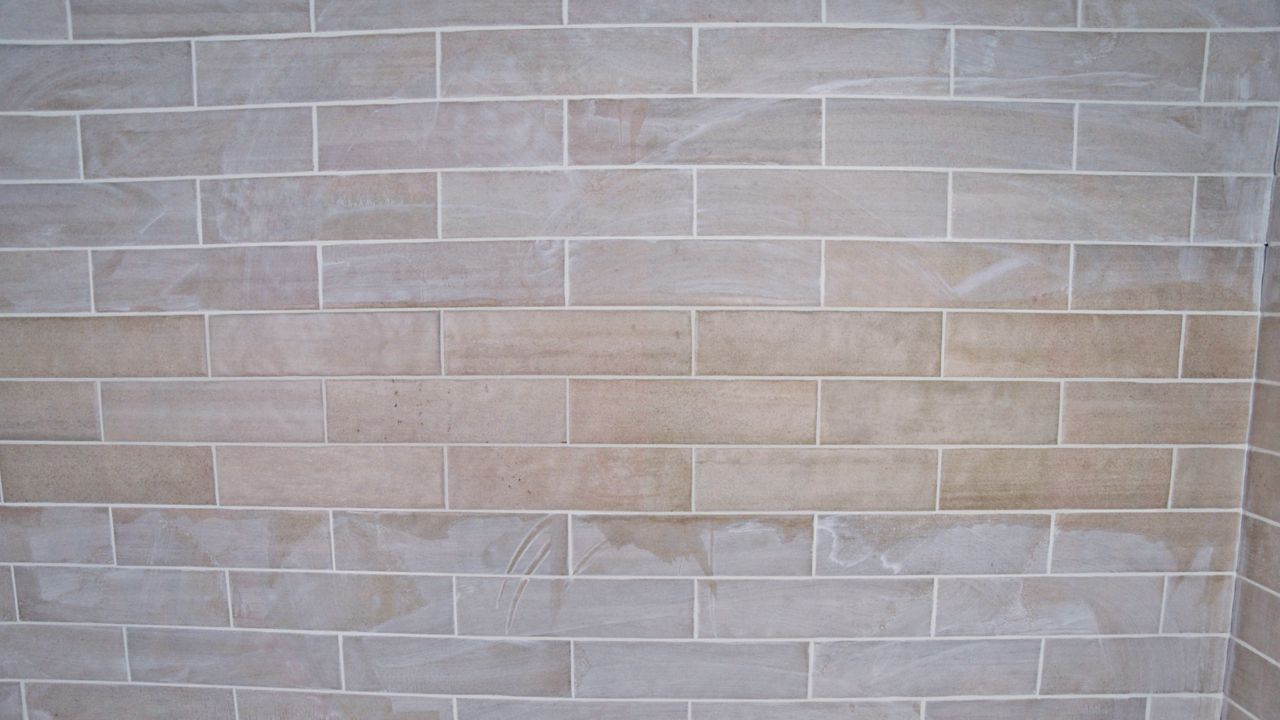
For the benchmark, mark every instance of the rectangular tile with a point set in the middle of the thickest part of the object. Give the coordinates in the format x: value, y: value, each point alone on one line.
x: 931, y: 544
x: 1231, y: 209
x: 1127, y: 277
x: 91, y: 77
x: 690, y: 670
x: 61, y: 652
x: 1036, y: 13
x: 1219, y: 346
x: 579, y: 607
x: 1262, y: 485
x: 691, y: 11
x: 813, y: 608
x: 1259, y: 543
x: 160, y: 18
x: 493, y: 709
x: 1198, y: 604
x: 102, y: 346
x: 1253, y: 681
x: 692, y: 411
x: 394, y: 14
x: 1157, y: 413
x: 1243, y: 67
x: 507, y: 543
x: 132, y: 701
x: 121, y: 595
x: 1207, y: 477
x: 8, y: 613
x: 216, y: 537
x: 400, y: 343
x: 38, y: 148
x: 1054, y: 478
x: 1189, y: 139
x: 1040, y: 709
x: 1203, y: 707
x: 143, y: 474
x: 95, y: 214
x: 1049, y: 606
x: 33, y: 20
x: 1265, y: 424
x: 240, y: 278
x: 813, y: 710
x: 348, y: 601
x: 55, y: 535
x: 49, y: 411
x: 214, y: 411
x: 44, y: 282
x: 335, y: 476
x: 1257, y: 618
x: 229, y: 657
x: 529, y: 668
x: 1207, y: 13
x: 692, y: 545
x: 11, y: 701
x: 925, y: 668
x: 1145, y: 542
x: 265, y: 705
x: 1268, y: 338
x: 1146, y: 665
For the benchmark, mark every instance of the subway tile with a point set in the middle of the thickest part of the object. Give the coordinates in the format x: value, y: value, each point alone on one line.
x: 1049, y: 606
x: 823, y: 60
x: 852, y: 480
x: 568, y: 61
x: 814, y: 608
x: 1243, y: 67
x: 61, y: 652
x: 1264, y: 431
x: 1253, y: 681
x: 296, y: 209
x: 1156, y: 413
x: 446, y: 410
x: 134, y: 474
x: 931, y: 544
x: 217, y: 537
x: 1176, y: 138
x: 1040, y: 709
x: 160, y: 18
x: 139, y: 702
x: 230, y: 657
x: 55, y: 535
x: 1054, y: 478
x: 1036, y: 13
x: 214, y: 411
x: 325, y: 344
x: 33, y: 20
x: 211, y: 142
x: 240, y: 278
x: 266, y: 705
x: 91, y: 77
x: 49, y: 411
x: 95, y: 214
x: 1079, y: 65
x: 347, y: 601
x: 169, y: 346
x: 495, y: 709
x: 1134, y: 277
x: 812, y: 710
x: 1231, y: 210
x: 1206, y: 707
x: 121, y: 595
x: 506, y: 543
x: 690, y: 670
x: 11, y: 695
x: 1219, y: 346
x: 475, y: 274
x: 1262, y: 485
x: 1233, y: 712
x: 701, y: 545
x: 577, y: 342
x: 1256, y: 618
x: 418, y: 135
x: 38, y: 148
x: 906, y: 274
x: 394, y: 14
x: 718, y: 131
x: 694, y: 272
x: 44, y: 282
x: 925, y: 668
x: 1198, y: 604
x: 1207, y: 477
x: 693, y: 11
x: 1206, y: 14
x: 578, y: 607
x: 692, y: 411
x: 334, y: 476
x: 564, y: 478
x: 1259, y: 544
x: 1268, y: 338
x: 946, y: 412
x: 1145, y: 542
x: 528, y: 668
x: 8, y: 613
x: 1144, y: 665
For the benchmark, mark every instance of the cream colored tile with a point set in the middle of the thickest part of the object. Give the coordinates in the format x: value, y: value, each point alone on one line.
x: 475, y: 543
x: 347, y: 601
x: 464, y: 666
x: 91, y: 77
x: 1219, y: 346
x: 239, y: 278
x: 230, y: 657
x: 925, y: 668
x: 1146, y: 665
x: 1054, y: 478
x: 325, y: 344
x: 690, y: 670
x: 336, y: 476
x: 142, y: 474
x: 214, y: 411
x: 1049, y: 606
x: 1207, y: 477
x: 217, y: 537
x: 813, y: 608
x: 931, y: 544
x: 578, y: 607
x: 1145, y: 542
x: 1156, y: 413
x: 102, y: 346
x: 692, y: 545
x: 121, y: 595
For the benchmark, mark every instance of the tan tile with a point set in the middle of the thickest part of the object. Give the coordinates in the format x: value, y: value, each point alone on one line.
x: 570, y: 61
x: 102, y: 702
x: 494, y: 709
x: 347, y: 601
x: 395, y: 14
x: 692, y: 11
x: 241, y: 278
x: 215, y: 537
x: 1257, y: 618
x: 528, y: 668
x: 374, y: 476
x: 812, y: 710
x: 1219, y: 346
x: 1176, y: 138
x: 567, y: 343
x: 692, y: 545
x: 1145, y: 542
x: 418, y: 135
x: 931, y: 544
x: 507, y: 543
x: 38, y: 148
x: 94, y: 214
x: 89, y: 77
x: 11, y: 701
x: 1036, y: 13
x: 813, y: 608
x: 102, y: 347
x: 1253, y: 680
x: 1268, y: 346
x: 48, y: 411
x: 1243, y: 67
x: 1265, y: 425
x: 902, y: 274
x: 143, y: 474
x: 762, y: 479
x: 1259, y: 544
x: 229, y: 657
x: 563, y: 478
x: 475, y: 274
x: 1040, y: 709
x: 263, y: 705
x: 61, y: 652
x: 446, y: 410
x: 690, y: 670
x: 947, y: 412
x: 1054, y: 478
x: 159, y: 18
x: 1131, y: 277
x: 44, y: 282
x: 215, y: 411
x: 55, y: 535
x: 925, y: 668
x: 1208, y: 13
x: 1157, y: 413
x: 1049, y: 606
x: 823, y: 60
x: 8, y: 613
x: 1145, y: 665
x: 1205, y: 707
x: 121, y: 595
x: 1231, y: 209
x: 578, y: 607
x: 1207, y: 477
x: 325, y: 344
x: 33, y: 20
x: 1197, y: 604
x: 692, y: 411
x: 694, y: 272
x: 1262, y: 485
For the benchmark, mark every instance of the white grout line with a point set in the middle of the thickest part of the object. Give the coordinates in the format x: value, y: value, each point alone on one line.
x: 312, y: 14
x: 951, y: 71
x: 1075, y: 136
x: 1204, y: 70
x: 1182, y: 347
x: 1195, y: 200
x: 315, y: 138
x: 1164, y: 600
x: 80, y: 148
x: 128, y: 664
x: 693, y: 57
x: 439, y: 71
x: 1040, y: 667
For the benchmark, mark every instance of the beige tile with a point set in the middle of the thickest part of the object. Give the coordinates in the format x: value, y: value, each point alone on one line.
x: 806, y: 711
x: 48, y: 411
x: 335, y: 476
x: 1253, y: 681
x: 38, y: 148
x: 563, y: 478
x: 1265, y: 424
x: 61, y: 652
x: 578, y: 342
x: 1145, y: 542
x: 240, y: 278
x: 692, y: 411
x: 216, y: 537
x: 822, y: 61
x: 690, y: 670
x: 1207, y: 477
x: 507, y: 543
x: 8, y: 613
x: 160, y: 18
x: 1219, y: 346
x: 55, y: 535
x: 11, y: 701
x: 263, y: 705
x: 717, y: 131
x: 347, y: 601
x: 925, y: 668
x: 1262, y: 485
x: 1040, y: 709
x: 143, y: 474
x: 121, y: 595
x: 105, y: 702
x: 44, y: 282
x: 33, y: 20
x: 931, y: 544
x: 1205, y: 707
x: 214, y: 411
x: 1176, y: 138
x: 1268, y: 345
x: 570, y: 61
x: 946, y: 412
x: 902, y: 274
x: 1036, y: 13
x: 1049, y: 606
x: 1071, y: 207
x: 1129, y: 277
x: 1054, y: 478
x: 102, y: 347
x: 325, y: 344
x: 694, y: 272
x: 578, y: 607
x: 692, y: 545
x: 394, y: 14
x: 494, y: 709
x: 1231, y: 209
x: 814, y: 608
x: 418, y: 135
x: 446, y: 410
x: 1257, y: 618
x: 229, y: 657
x: 1145, y: 665
x: 475, y: 274
x: 346, y: 207
x: 1259, y: 544
x: 1197, y: 604
x: 1243, y: 67
x: 528, y: 668
x: 691, y: 11
x: 94, y: 214
x: 1157, y: 413
x: 88, y: 77
x: 1172, y: 13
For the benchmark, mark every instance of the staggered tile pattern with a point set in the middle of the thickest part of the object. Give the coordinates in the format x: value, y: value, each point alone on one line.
x: 636, y: 359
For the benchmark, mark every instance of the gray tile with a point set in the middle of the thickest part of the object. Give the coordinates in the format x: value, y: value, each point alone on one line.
x: 90, y: 77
